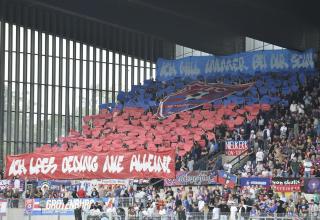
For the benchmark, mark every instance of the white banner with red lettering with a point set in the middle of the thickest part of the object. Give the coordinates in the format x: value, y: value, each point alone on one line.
x: 93, y: 165
x: 235, y: 148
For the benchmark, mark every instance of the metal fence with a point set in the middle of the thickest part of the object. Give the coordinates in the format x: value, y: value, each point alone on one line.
x: 222, y: 216
x: 103, y: 216
x: 124, y: 202
x: 16, y: 207
x: 15, y: 203
x: 122, y: 213
x: 118, y: 202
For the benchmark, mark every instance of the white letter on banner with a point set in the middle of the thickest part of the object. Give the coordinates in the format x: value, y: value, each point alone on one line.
x: 229, y: 66
x: 65, y: 165
x: 95, y: 164
x: 259, y: 62
x: 235, y: 64
x: 54, y: 166
x: 223, y: 65
x: 34, y: 169
x: 295, y: 61
x: 278, y: 62
x: 242, y: 67
x: 46, y: 165
x: 48, y: 204
x: 75, y: 164
x: 167, y: 160
x: 302, y: 61
x: 151, y: 163
x: 189, y: 68
x: 209, y: 66
x: 90, y: 163
x: 113, y: 164
x: 167, y: 69
x: 135, y: 163
x: 150, y: 158
x: 17, y: 168
x: 309, y: 62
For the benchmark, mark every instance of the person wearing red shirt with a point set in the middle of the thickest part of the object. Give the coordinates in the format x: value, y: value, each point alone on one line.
x: 81, y: 193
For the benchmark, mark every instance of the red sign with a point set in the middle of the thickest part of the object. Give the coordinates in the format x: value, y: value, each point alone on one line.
x: 235, y: 148
x: 93, y: 165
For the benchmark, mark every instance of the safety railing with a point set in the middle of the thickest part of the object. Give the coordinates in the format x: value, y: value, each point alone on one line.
x: 15, y: 203
x: 240, y: 160
x: 102, y: 216
x: 144, y: 215
x: 124, y: 202
x: 118, y: 214
x: 263, y: 216
x: 117, y: 201
x: 202, y: 164
x: 198, y: 215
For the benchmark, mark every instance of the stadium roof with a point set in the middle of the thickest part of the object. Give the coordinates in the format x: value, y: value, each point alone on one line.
x: 213, y: 26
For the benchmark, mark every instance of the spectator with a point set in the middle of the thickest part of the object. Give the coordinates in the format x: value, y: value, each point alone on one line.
x: 38, y: 193
x: 266, y: 135
x: 190, y: 164
x: 94, y: 193
x: 81, y: 193
x: 215, y: 213
x: 313, y: 209
x: 259, y: 156
x: 295, y: 167
x: 74, y: 193
x: 15, y: 198
x: 16, y: 182
x: 293, y: 107
x: 224, y: 210
x: 307, y: 168
x: 283, y: 131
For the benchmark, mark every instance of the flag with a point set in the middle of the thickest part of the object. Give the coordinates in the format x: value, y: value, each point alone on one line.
x: 226, y: 179
x: 197, y: 94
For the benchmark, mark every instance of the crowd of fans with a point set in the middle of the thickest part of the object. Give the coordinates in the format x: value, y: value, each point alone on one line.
x: 283, y: 142
x: 224, y: 202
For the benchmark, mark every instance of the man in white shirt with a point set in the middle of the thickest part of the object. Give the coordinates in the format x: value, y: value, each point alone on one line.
x: 201, y: 205
x: 307, y: 168
x: 16, y: 183
x: 265, y: 173
x: 259, y: 156
x: 300, y: 108
x: 162, y: 211
x: 227, y: 167
x: 190, y: 164
x: 215, y: 213
x: 293, y: 107
x: 283, y: 131
x: 248, y: 167
x: 261, y: 122
x: 252, y: 192
x: 233, y: 212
